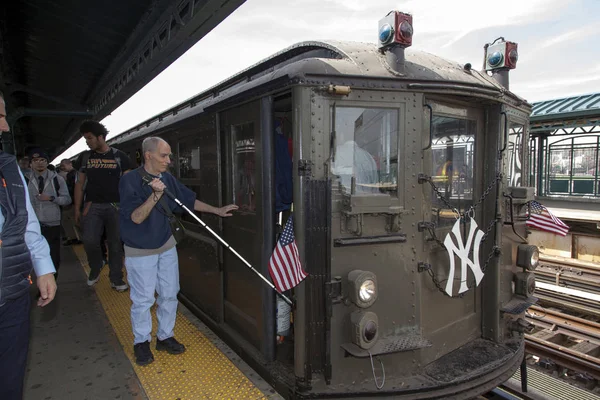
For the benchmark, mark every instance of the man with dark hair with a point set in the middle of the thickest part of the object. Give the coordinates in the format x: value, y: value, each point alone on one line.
x: 99, y: 172
x: 22, y: 248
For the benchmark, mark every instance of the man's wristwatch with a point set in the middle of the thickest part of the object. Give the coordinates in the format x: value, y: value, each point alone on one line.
x: 52, y: 198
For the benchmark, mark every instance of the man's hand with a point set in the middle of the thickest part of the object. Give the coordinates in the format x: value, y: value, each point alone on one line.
x: 157, y: 185
x: 43, y: 197
x: 77, y: 216
x: 47, y: 286
x: 225, y: 211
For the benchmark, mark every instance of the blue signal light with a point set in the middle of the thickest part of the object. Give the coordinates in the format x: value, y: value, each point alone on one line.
x: 386, y: 33
x: 495, y: 59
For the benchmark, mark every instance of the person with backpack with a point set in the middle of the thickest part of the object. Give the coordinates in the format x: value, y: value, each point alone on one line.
x: 48, y: 192
x: 68, y: 219
x: 99, y: 172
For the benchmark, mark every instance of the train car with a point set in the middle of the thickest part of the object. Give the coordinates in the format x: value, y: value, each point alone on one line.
x: 402, y: 174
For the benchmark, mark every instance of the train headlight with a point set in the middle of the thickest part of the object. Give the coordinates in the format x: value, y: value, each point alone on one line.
x: 528, y: 256
x: 363, y: 288
x: 365, y: 329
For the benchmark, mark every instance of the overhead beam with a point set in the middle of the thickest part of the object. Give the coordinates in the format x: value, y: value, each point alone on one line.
x: 16, y: 87
x: 183, y: 24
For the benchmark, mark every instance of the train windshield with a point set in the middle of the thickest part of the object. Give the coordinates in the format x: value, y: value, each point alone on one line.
x: 366, y: 155
x: 453, y: 145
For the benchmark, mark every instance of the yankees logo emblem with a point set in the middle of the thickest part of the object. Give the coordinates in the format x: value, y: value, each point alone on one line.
x: 462, y: 252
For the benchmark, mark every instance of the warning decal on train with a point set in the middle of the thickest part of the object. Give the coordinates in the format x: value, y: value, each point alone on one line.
x: 462, y: 251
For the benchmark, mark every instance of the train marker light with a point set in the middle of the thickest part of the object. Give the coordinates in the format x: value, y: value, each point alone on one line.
x: 386, y: 33
x: 524, y: 284
x: 396, y: 28
x: 365, y: 328
x: 501, y: 55
x: 528, y: 256
x: 495, y: 59
x: 362, y: 288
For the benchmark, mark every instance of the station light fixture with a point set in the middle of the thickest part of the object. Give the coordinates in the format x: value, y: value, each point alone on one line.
x: 362, y: 288
x: 395, y: 29
x: 365, y: 329
x: 501, y: 54
x: 528, y: 256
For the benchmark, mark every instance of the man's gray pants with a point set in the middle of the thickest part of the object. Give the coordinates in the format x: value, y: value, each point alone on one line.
x: 100, y: 216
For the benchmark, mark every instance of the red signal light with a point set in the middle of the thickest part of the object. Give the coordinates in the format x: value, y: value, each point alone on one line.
x: 512, y: 55
x: 404, y: 29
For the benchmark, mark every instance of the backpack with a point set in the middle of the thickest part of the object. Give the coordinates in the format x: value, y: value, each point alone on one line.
x: 71, y: 177
x: 86, y: 156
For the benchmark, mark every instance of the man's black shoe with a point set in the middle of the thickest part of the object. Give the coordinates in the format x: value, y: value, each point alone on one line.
x: 93, y: 277
x: 143, y: 354
x: 119, y: 286
x: 170, y: 345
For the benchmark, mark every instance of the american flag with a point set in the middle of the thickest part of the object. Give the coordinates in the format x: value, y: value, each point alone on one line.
x: 542, y: 218
x: 284, y: 265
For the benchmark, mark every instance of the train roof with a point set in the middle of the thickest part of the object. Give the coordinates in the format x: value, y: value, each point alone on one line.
x: 319, y: 62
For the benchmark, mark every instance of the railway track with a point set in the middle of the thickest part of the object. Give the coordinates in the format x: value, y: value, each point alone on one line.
x: 569, y: 341
x: 577, y: 274
x: 568, y: 344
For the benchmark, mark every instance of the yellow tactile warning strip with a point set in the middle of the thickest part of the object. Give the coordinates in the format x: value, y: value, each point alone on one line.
x: 202, y: 372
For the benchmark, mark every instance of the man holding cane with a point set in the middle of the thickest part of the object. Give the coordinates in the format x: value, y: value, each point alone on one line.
x: 146, y: 216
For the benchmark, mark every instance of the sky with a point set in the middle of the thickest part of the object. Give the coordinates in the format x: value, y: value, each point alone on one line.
x: 557, y: 54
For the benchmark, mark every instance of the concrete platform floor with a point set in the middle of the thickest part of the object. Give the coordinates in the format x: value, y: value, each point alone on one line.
x: 74, y: 352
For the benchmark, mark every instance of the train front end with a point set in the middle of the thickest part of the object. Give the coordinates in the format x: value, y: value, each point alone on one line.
x: 411, y: 205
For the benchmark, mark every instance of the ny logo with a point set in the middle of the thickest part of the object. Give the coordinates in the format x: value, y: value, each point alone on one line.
x: 462, y: 252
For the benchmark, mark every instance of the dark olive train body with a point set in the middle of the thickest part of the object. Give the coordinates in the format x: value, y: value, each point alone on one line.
x: 378, y: 241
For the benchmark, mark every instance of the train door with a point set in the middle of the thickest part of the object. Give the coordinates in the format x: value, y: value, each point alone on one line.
x: 248, y: 302
x: 456, y: 173
x: 196, y: 159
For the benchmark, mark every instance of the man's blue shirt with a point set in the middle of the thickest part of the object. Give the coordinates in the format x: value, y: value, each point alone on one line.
x: 155, y: 230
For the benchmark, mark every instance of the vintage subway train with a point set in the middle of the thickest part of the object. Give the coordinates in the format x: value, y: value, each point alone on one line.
x: 409, y: 212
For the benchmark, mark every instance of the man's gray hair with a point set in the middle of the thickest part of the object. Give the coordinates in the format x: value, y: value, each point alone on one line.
x: 151, y: 143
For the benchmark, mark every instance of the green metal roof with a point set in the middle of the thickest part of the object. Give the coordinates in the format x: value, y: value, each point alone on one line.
x: 585, y: 106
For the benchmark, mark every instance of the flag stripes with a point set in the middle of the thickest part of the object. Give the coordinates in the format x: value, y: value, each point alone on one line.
x: 284, y: 266
x: 541, y: 218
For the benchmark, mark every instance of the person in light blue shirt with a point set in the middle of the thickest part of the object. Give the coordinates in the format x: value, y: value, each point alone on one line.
x: 22, y: 248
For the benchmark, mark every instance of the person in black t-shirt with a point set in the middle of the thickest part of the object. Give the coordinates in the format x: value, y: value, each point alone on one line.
x: 99, y: 172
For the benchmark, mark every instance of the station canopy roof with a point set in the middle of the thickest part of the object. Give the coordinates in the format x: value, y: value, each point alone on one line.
x: 569, y: 112
x: 62, y: 61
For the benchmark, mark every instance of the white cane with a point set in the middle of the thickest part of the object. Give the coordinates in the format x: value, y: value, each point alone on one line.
x: 148, y: 180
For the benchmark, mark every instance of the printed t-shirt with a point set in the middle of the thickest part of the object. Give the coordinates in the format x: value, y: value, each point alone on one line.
x: 103, y: 174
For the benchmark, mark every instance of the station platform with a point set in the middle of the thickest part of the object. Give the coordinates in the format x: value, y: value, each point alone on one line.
x: 82, y: 348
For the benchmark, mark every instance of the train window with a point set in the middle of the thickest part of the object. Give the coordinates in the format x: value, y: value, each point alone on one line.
x: 366, y: 154
x: 244, y: 167
x: 189, y: 158
x: 572, y: 165
x: 515, y: 154
x: 453, y: 145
